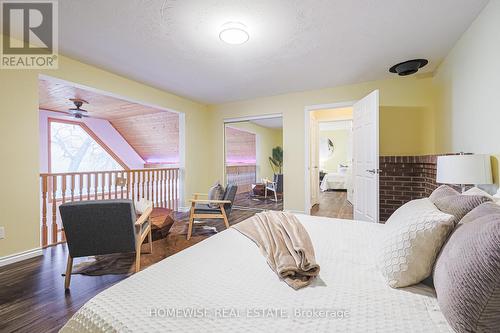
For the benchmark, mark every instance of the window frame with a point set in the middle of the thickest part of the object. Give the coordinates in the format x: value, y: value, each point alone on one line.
x: 94, y: 137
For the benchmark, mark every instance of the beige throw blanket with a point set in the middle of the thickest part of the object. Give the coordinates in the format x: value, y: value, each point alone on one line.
x: 285, y: 244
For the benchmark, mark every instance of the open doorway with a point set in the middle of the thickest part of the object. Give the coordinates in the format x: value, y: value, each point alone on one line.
x: 98, y: 146
x: 254, y: 161
x: 358, y: 176
x: 332, y: 154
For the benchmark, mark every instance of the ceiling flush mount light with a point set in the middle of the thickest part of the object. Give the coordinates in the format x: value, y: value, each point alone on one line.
x: 234, y: 33
x: 408, y: 67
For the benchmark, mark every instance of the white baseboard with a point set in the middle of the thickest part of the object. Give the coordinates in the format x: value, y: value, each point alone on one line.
x: 7, y: 260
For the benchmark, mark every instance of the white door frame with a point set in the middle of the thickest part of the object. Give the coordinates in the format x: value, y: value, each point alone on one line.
x: 182, y: 124
x: 307, y: 145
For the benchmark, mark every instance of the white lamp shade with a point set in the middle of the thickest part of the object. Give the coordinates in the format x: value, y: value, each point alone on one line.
x: 464, y: 169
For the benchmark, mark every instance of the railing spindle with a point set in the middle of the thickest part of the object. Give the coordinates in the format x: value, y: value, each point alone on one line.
x: 44, y: 211
x: 155, y: 188
x: 96, y: 183
x: 63, y: 195
x: 143, y: 183
x: 132, y: 179
x: 176, y: 177
x: 72, y: 188
x: 54, y: 209
x: 88, y: 186
x: 128, y: 185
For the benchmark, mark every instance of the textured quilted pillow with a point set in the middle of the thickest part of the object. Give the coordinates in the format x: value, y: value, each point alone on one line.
x: 441, y: 192
x: 413, y: 237
x: 477, y: 191
x: 459, y: 205
x: 467, y: 273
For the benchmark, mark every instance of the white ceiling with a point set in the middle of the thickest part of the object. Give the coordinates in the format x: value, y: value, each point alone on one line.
x: 269, y: 122
x: 294, y: 45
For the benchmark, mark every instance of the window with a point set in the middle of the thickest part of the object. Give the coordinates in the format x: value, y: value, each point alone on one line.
x: 74, y: 148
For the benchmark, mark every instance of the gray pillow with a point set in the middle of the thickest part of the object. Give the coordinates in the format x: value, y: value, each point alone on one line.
x: 216, y: 192
x: 467, y: 274
x: 441, y: 192
x: 459, y: 205
x: 488, y: 208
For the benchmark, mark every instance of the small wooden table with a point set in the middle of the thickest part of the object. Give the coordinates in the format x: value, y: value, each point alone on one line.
x: 161, y: 222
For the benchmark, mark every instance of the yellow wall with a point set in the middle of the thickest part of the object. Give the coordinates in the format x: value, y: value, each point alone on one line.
x: 333, y: 114
x: 340, y: 139
x: 19, y: 201
x: 414, y: 97
x: 468, y: 82
x: 267, y: 139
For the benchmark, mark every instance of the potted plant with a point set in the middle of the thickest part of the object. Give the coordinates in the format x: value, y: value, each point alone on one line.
x: 276, y: 161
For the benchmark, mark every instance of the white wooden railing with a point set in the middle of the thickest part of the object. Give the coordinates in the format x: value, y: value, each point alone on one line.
x: 161, y: 186
x: 244, y: 175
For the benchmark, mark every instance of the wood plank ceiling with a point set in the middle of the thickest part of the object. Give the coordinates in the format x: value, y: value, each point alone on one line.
x: 240, y: 146
x: 153, y: 133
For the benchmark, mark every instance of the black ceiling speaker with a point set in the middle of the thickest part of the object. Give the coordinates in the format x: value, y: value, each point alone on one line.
x: 408, y: 67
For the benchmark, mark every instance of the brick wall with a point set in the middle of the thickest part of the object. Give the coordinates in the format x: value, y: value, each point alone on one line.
x: 405, y: 178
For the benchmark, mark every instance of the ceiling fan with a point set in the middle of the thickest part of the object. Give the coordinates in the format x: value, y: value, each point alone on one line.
x: 77, y: 112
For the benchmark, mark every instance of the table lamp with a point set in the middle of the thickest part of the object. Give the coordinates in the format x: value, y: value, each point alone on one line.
x: 464, y: 170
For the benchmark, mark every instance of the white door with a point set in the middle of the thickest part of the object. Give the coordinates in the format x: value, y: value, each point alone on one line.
x: 350, y: 175
x: 314, y: 161
x: 366, y: 158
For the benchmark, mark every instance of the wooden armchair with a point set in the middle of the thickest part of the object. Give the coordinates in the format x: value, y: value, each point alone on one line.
x: 98, y: 227
x: 211, y: 209
x: 275, y: 186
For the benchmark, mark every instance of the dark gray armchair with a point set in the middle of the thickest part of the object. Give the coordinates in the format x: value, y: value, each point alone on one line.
x: 201, y: 209
x: 97, y: 227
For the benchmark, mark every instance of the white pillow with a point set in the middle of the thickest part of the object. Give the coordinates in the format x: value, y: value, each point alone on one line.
x: 478, y: 191
x: 412, y: 239
x: 142, y: 205
x: 342, y: 169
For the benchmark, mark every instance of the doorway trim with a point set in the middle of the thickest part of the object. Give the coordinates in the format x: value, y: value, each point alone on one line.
x: 182, y: 124
x: 226, y: 121
x: 307, y: 144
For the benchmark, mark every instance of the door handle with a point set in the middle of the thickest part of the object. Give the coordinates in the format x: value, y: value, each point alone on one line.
x: 373, y: 171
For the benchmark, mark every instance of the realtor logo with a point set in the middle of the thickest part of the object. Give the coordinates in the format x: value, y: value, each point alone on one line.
x: 29, y: 34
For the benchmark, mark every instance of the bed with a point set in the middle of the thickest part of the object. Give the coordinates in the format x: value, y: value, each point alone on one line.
x: 224, y: 284
x: 334, y: 181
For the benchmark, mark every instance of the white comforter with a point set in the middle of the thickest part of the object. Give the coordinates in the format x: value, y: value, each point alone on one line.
x: 334, y: 181
x: 223, y: 284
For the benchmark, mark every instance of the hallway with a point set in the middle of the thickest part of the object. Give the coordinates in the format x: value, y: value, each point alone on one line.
x: 333, y: 204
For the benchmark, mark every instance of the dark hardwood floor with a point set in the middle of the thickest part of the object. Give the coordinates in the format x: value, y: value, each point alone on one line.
x: 32, y: 296
x: 333, y: 204
x: 245, y: 200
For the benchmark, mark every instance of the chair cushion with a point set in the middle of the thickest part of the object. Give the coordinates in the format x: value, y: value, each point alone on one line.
x: 206, y: 209
x: 144, y: 226
x: 467, y: 272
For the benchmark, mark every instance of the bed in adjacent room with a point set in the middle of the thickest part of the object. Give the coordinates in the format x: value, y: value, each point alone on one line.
x: 334, y: 181
x: 224, y: 284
